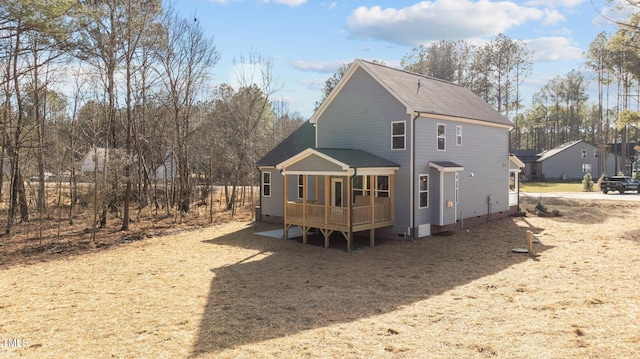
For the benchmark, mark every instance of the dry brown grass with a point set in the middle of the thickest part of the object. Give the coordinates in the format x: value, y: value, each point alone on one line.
x: 224, y: 292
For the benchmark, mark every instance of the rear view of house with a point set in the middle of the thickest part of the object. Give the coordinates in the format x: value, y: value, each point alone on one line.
x: 393, y: 153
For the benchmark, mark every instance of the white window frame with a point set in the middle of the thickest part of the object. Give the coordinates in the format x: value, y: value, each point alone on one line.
x: 458, y: 135
x: 444, y: 137
x: 421, y: 191
x: 586, y: 168
x: 378, y: 190
x: 266, y: 183
x: 361, y: 191
x: 404, y: 136
x: 584, y: 153
x: 300, y: 186
x: 595, y: 153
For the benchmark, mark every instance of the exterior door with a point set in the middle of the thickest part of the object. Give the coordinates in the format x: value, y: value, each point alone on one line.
x: 336, y: 192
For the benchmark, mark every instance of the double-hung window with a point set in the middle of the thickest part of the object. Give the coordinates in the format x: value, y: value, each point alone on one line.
x: 398, y: 135
x: 458, y: 135
x: 266, y: 184
x: 442, y: 136
x: 424, y: 191
x: 300, y: 186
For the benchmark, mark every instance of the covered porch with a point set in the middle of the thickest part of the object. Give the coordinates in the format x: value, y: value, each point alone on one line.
x: 338, y: 190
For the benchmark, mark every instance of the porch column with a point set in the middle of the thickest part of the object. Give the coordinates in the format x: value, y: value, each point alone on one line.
x: 284, y: 210
x: 349, y: 210
x: 372, y: 203
x: 392, y: 199
x: 327, y: 198
x: 304, y: 209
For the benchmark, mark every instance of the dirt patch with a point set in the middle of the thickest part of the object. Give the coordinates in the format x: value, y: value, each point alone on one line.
x: 223, y: 292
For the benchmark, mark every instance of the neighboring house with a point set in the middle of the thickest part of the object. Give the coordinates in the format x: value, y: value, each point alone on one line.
x: 392, y: 151
x: 94, y: 160
x: 572, y: 160
x: 168, y: 170
x: 529, y: 158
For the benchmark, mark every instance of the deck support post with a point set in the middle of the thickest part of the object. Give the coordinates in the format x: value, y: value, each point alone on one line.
x: 372, y: 237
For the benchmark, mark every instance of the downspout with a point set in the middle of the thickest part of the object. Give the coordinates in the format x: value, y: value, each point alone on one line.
x: 517, y: 174
x: 350, y: 192
x: 412, y: 175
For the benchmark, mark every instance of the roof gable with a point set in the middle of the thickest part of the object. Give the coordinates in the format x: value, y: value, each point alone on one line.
x: 422, y: 94
x: 302, y: 138
x: 335, y: 160
x: 554, y: 151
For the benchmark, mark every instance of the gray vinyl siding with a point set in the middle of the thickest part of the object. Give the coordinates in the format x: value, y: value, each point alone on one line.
x: 567, y: 164
x: 360, y: 117
x: 483, y: 152
x: 315, y: 162
x: 272, y: 205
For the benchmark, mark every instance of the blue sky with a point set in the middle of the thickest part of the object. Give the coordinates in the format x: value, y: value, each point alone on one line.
x: 308, y: 40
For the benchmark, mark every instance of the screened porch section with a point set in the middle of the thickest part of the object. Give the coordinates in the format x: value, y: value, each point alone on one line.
x: 323, y: 192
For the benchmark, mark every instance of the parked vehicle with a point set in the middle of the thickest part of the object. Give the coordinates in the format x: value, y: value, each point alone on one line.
x: 620, y: 184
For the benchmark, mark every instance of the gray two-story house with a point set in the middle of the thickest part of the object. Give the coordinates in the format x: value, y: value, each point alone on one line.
x: 393, y: 153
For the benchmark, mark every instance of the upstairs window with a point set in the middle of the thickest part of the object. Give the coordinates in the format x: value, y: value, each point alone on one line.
x: 442, y: 135
x: 266, y: 184
x: 458, y: 135
x: 398, y: 135
x: 584, y: 153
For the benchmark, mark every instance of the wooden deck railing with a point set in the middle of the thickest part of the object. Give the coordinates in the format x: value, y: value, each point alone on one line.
x: 314, y: 213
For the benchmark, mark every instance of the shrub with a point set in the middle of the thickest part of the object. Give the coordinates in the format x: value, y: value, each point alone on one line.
x: 587, y: 183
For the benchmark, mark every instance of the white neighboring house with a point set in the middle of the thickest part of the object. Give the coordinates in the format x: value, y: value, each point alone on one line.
x: 169, y: 169
x: 94, y: 161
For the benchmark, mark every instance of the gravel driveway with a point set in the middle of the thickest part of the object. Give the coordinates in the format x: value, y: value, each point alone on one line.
x: 611, y: 196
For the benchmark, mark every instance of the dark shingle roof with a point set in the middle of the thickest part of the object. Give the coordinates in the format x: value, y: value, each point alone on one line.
x: 301, y: 139
x: 356, y: 158
x: 554, y: 151
x: 433, y: 96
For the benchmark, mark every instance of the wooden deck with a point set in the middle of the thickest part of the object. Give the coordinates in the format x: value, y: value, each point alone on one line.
x: 329, y: 219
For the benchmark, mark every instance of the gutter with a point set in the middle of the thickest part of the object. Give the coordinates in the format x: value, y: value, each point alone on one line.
x: 412, y: 175
x: 350, y: 191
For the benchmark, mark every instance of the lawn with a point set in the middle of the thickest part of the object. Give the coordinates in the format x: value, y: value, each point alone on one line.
x: 224, y: 292
x: 545, y: 187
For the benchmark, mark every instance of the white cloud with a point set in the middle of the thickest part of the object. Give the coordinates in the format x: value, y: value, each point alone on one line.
x: 319, y: 66
x: 329, y: 6
x: 556, y: 3
x: 441, y: 20
x: 312, y: 84
x: 552, y: 17
x: 224, y: 2
x: 553, y: 49
x: 291, y: 3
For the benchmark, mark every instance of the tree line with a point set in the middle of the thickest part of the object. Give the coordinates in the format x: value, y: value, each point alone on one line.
x: 125, y: 86
x: 561, y: 110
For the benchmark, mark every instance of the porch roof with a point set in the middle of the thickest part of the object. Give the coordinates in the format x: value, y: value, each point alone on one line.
x: 446, y: 166
x: 338, y: 161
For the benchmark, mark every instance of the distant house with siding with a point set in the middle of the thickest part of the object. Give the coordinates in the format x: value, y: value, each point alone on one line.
x: 572, y: 160
x: 391, y: 153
